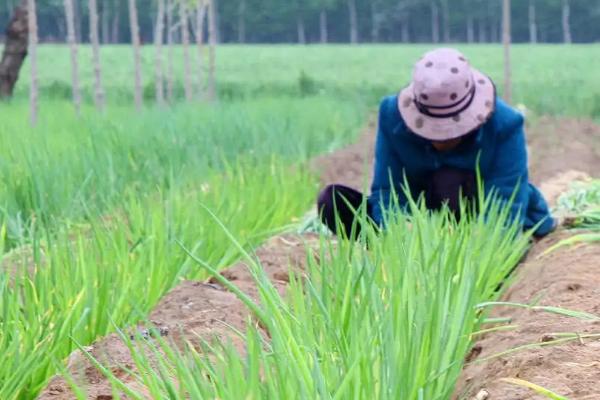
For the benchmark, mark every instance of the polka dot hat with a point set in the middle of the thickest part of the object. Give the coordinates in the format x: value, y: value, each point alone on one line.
x: 447, y: 97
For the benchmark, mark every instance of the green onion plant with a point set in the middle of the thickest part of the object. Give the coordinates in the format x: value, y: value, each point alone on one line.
x: 390, y: 316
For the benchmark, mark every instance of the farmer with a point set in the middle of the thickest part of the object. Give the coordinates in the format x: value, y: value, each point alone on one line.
x: 433, y: 134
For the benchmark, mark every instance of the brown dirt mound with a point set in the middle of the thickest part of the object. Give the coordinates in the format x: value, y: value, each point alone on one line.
x: 569, y: 279
x: 562, y: 144
x: 207, y: 309
x: 562, y: 151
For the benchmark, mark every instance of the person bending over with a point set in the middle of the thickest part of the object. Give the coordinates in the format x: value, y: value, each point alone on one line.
x: 436, y: 132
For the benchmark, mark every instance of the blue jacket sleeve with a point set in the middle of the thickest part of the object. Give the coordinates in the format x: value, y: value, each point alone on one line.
x: 388, y: 170
x: 508, y: 175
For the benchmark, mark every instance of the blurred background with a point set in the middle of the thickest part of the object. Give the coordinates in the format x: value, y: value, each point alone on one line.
x: 341, y: 21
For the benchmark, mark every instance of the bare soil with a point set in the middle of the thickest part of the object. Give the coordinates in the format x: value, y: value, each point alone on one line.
x: 562, y: 151
x: 562, y: 144
x: 567, y: 278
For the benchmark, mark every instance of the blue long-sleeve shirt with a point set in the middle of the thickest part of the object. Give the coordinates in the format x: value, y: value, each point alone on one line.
x: 499, y: 144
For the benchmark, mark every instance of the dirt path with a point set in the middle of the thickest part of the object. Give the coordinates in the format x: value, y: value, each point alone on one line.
x: 207, y: 309
x: 558, y: 145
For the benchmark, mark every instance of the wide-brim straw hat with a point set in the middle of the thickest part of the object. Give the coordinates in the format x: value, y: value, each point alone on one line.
x: 447, y: 98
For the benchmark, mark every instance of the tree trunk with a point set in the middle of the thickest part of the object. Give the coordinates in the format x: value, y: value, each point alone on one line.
x: 532, y: 23
x: 543, y: 36
x: 15, y: 50
x: 375, y: 22
x: 446, y: 19
x: 77, y: 20
x: 105, y: 18
x: 33, y: 40
x: 353, y: 21
x: 71, y: 39
x: 470, y: 28
x: 323, y: 26
x: 566, y: 24
x: 217, y: 18
x: 242, y: 22
x: 506, y: 39
x: 137, y: 62
x: 95, y: 41
x: 158, y: 61
x: 300, y: 28
x: 435, y: 22
x: 404, y: 21
x: 495, y: 27
x: 405, y: 28
x: 212, y: 39
x: 481, y: 28
x: 60, y: 26
x: 115, y: 26
x: 188, y: 87
x: 170, y: 55
x: 201, y: 16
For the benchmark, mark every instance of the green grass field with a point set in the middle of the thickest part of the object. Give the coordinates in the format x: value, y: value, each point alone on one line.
x: 98, y: 158
x: 548, y: 79
x: 94, y: 208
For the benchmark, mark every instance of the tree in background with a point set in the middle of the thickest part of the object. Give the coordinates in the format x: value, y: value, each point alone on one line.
x: 95, y: 41
x: 353, y: 18
x: 200, y: 18
x: 481, y: 24
x: 480, y: 12
x: 32, y: 50
x: 170, y: 51
x: 276, y: 21
x: 446, y: 20
x: 323, y: 7
x: 116, y: 23
x: 15, y: 50
x: 135, y: 40
x: 435, y: 22
x: 403, y: 8
x: 158, y: 61
x: 470, y: 21
x: 566, y: 21
x: 378, y: 17
x: 105, y: 20
x: 532, y: 22
x: 506, y: 39
x: 78, y: 21
x: 299, y: 10
x: 212, y: 51
x: 242, y: 21
x: 188, y: 87
x: 72, y: 41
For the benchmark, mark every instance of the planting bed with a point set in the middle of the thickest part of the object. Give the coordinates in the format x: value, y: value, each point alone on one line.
x: 192, y: 308
x: 567, y: 279
x: 206, y: 308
